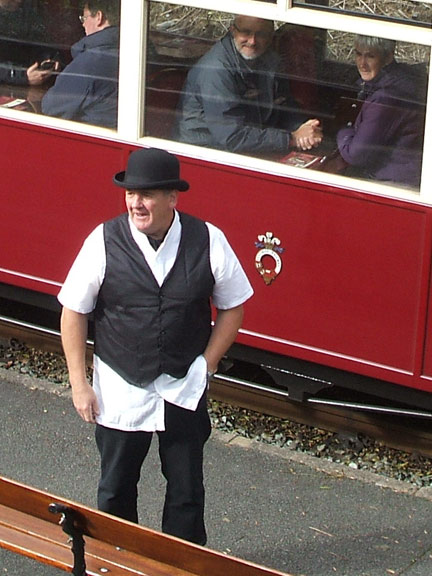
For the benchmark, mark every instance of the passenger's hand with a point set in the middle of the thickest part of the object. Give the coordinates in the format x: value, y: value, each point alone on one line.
x: 309, y: 135
x: 85, y: 401
x: 36, y: 76
x: 34, y: 97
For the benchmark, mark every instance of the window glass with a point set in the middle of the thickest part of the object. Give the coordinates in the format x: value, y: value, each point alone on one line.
x: 48, y: 63
x: 178, y: 37
x: 294, y: 94
x: 405, y: 10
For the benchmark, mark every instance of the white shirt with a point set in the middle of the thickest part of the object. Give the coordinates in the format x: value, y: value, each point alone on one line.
x: 123, y: 406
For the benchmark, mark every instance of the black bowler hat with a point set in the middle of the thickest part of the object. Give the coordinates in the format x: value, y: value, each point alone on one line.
x: 151, y: 168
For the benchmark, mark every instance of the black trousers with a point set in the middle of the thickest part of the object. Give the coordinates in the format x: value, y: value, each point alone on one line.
x: 181, y: 455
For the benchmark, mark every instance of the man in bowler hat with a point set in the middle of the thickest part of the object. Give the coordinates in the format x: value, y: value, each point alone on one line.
x: 149, y: 277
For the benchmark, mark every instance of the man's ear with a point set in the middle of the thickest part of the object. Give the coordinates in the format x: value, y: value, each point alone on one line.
x: 174, y: 198
x: 100, y: 18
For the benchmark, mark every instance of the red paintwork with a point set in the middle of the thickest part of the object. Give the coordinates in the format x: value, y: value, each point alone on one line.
x: 56, y: 188
x: 354, y: 290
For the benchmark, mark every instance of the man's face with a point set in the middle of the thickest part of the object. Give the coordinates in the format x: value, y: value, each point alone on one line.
x: 252, y: 36
x: 369, y: 62
x: 151, y: 211
x: 91, y: 23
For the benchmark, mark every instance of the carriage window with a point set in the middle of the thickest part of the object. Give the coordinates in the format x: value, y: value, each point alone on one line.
x: 178, y: 37
x: 404, y: 10
x: 45, y: 62
x: 303, y: 96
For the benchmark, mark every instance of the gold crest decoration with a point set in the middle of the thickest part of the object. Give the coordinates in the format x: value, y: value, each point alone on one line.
x: 268, y: 245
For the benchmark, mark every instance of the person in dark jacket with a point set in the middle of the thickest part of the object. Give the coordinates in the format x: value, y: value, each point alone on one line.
x: 385, y: 141
x: 232, y: 99
x: 87, y: 89
x: 22, y: 30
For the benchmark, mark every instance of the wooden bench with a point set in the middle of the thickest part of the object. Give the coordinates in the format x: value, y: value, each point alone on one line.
x: 112, y: 546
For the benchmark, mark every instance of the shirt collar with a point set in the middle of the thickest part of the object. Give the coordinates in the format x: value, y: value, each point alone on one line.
x: 171, y: 240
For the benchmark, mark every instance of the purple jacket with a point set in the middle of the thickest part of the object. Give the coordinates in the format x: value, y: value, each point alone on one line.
x: 386, y: 138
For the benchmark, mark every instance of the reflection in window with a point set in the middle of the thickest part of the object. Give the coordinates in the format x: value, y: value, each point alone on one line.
x: 87, y: 89
x: 178, y: 37
x: 236, y: 85
x: 405, y: 10
x: 384, y: 141
x: 228, y: 99
x: 32, y: 33
x: 52, y: 61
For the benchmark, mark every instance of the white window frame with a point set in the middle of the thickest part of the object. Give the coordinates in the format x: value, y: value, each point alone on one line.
x: 326, y: 20
x: 132, y: 89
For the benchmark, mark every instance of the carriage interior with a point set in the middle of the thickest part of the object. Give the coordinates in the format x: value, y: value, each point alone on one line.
x: 323, y: 87
x: 322, y: 83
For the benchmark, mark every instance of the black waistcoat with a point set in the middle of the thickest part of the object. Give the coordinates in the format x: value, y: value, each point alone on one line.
x: 143, y: 330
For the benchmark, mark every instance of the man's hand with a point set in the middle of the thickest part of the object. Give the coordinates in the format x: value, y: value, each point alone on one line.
x: 224, y: 332
x: 85, y: 402
x: 309, y: 135
x: 36, y: 76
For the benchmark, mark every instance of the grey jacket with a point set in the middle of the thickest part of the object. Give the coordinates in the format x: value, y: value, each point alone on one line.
x: 227, y: 105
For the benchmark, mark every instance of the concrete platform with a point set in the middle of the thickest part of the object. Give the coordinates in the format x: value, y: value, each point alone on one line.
x: 269, y: 505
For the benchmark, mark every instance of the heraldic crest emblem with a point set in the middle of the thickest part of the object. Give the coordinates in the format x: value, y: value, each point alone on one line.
x: 269, y: 246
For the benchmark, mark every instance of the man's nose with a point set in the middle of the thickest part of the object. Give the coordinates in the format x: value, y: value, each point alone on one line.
x: 137, y: 200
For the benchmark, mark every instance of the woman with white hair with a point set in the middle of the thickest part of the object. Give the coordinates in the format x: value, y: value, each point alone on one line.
x: 385, y: 141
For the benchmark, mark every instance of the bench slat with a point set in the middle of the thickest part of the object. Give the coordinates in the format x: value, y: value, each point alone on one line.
x: 47, y: 543
x: 27, y: 527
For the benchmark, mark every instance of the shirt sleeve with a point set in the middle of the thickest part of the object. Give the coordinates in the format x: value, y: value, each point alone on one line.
x: 232, y: 287
x: 81, y: 287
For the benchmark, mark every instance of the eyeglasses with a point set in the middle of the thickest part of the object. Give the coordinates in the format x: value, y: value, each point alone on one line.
x: 260, y: 34
x: 83, y: 18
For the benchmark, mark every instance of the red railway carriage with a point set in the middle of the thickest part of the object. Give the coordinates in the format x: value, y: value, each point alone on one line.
x: 340, y: 263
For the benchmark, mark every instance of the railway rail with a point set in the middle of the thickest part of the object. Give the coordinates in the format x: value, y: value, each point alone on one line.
x: 398, y: 429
